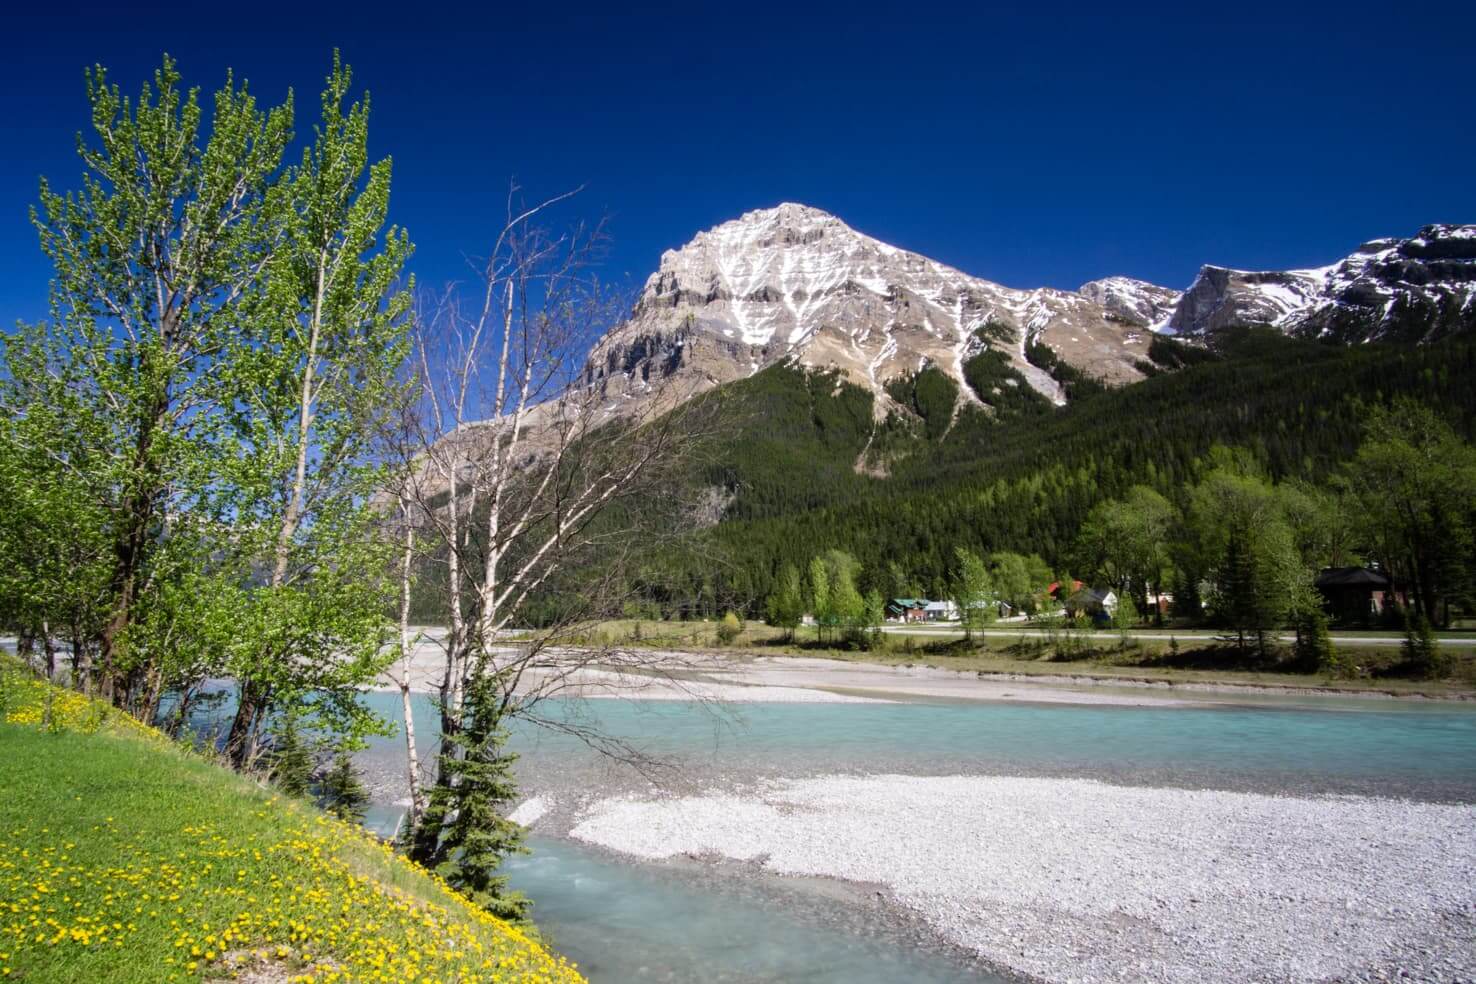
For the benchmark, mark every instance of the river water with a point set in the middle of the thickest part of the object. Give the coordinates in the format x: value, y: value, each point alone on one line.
x: 627, y: 921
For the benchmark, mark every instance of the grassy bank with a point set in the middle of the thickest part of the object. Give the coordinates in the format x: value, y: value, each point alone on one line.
x: 1186, y: 658
x: 124, y: 858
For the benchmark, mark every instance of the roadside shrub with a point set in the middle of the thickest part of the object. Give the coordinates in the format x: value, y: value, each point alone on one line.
x: 730, y: 628
x: 1421, y: 652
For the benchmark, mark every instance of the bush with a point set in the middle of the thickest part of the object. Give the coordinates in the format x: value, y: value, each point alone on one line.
x: 730, y: 628
x: 1422, y: 652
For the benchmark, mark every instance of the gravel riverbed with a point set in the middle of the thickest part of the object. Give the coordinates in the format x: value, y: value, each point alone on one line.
x: 1073, y: 880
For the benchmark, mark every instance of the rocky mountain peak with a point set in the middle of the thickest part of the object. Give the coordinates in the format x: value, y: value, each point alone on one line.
x: 1411, y: 290
x: 795, y: 282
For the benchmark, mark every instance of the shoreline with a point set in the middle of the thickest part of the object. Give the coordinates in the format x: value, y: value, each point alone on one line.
x: 745, y: 676
x: 1072, y: 879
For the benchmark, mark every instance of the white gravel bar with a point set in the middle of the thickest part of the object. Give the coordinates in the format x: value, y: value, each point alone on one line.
x: 1070, y: 880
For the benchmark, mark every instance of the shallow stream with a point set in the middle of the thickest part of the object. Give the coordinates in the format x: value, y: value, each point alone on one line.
x: 626, y: 921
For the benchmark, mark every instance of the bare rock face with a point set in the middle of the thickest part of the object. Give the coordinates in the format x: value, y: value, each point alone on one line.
x: 795, y: 283
x: 1412, y: 290
x: 1132, y: 302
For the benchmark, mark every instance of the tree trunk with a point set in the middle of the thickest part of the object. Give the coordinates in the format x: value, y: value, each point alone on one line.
x: 407, y: 645
x: 243, y: 740
x: 81, y: 661
x: 48, y: 646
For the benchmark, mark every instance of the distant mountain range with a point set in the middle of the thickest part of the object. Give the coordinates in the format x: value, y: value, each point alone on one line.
x: 794, y: 284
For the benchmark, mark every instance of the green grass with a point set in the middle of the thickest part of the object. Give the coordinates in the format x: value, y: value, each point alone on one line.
x: 126, y: 859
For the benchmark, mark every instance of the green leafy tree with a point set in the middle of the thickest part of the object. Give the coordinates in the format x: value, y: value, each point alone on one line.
x: 322, y: 372
x: 848, y: 608
x: 973, y: 592
x: 1247, y: 550
x: 1314, y: 649
x: 1020, y: 581
x: 1410, y: 489
x: 786, y: 605
x: 820, y: 605
x: 1125, y: 616
x: 157, y: 261
x: 1421, y: 649
x: 1125, y: 542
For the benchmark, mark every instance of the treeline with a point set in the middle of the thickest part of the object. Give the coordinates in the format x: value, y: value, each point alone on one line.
x: 1295, y: 410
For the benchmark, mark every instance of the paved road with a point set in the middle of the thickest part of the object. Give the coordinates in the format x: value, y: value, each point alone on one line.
x: 1031, y: 633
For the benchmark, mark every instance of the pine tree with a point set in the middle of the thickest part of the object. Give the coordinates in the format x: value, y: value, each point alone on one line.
x: 464, y: 834
x: 292, y: 759
x: 1314, y: 648
x: 342, y: 792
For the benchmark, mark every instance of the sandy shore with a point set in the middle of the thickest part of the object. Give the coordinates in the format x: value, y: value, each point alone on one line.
x: 1076, y: 880
x: 739, y: 678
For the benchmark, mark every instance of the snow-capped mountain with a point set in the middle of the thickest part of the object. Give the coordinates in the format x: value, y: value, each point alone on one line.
x: 1399, y: 290
x: 796, y: 283
x: 1133, y: 302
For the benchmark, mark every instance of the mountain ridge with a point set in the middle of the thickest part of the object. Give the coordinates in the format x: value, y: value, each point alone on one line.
x: 793, y: 283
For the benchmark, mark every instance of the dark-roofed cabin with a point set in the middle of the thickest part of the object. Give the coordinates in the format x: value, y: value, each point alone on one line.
x: 1354, y: 595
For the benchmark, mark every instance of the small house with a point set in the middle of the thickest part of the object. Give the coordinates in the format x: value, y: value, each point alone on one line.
x: 940, y: 611
x: 907, y: 610
x: 1092, y: 601
x: 1354, y: 595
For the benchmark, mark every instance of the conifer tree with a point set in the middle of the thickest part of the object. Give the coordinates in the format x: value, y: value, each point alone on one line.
x: 292, y: 758
x: 465, y: 834
x: 342, y: 792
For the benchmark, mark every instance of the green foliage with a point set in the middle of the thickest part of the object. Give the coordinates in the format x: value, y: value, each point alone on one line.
x: 1243, y: 545
x: 292, y: 758
x: 465, y: 834
x: 1125, y: 616
x: 1421, y: 650
x: 729, y: 628
x: 1019, y: 581
x: 931, y: 395
x: 1314, y: 652
x: 1410, y: 493
x: 786, y: 606
x: 1298, y: 408
x: 341, y: 792
x: 189, y: 438
x: 1168, y: 353
x: 1125, y: 543
x: 973, y: 592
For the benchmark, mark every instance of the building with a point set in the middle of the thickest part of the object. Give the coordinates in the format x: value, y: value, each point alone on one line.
x: 1354, y: 595
x: 1092, y: 601
x: 940, y: 611
x: 907, y: 610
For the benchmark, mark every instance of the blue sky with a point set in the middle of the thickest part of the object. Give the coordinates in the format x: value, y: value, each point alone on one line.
x: 1048, y: 144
